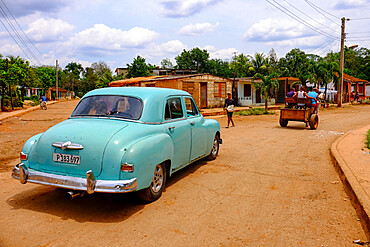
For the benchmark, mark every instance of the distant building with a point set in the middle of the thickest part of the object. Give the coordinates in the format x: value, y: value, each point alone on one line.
x: 160, y: 72
x: 207, y: 90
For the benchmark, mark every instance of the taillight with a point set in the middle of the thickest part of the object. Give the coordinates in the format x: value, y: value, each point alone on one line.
x: 127, y: 167
x: 23, y: 156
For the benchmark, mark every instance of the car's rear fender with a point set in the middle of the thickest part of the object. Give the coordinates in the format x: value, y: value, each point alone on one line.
x: 145, y: 154
x: 27, y: 147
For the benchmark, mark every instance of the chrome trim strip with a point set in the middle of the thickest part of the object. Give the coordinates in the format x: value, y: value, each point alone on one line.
x: 75, y: 183
x: 68, y: 145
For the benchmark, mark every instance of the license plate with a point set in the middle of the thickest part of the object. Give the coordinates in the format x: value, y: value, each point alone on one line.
x: 66, y: 158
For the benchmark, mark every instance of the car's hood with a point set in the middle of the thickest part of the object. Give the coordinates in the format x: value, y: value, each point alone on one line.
x: 92, y: 134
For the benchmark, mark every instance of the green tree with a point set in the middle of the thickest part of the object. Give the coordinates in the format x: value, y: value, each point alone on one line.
x: 268, y: 83
x: 138, y: 68
x: 166, y: 64
x: 71, y: 78
x: 328, y: 72
x: 219, y: 68
x: 259, y: 62
x: 293, y: 63
x: 242, y: 66
x: 45, y: 77
x: 194, y: 59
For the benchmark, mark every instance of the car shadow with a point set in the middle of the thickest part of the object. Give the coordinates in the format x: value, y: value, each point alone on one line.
x: 97, y: 207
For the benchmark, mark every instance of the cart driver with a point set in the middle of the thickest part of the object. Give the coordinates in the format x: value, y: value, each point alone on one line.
x: 313, y: 95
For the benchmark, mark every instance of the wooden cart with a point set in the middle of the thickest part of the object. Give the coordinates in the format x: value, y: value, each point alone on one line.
x: 294, y: 112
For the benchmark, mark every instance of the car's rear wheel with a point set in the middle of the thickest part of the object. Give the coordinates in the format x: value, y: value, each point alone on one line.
x: 154, y: 191
x: 215, y: 148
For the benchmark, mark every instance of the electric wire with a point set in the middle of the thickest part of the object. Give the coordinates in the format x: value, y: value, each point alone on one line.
x: 20, y: 47
x: 3, y: 13
x: 21, y: 28
x: 318, y: 8
x: 303, y: 13
x: 292, y: 15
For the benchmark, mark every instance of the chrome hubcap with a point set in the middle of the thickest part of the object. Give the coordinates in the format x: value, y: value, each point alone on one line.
x: 157, y: 182
x: 215, y: 147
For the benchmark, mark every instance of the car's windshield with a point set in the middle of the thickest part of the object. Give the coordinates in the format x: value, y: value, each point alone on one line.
x: 109, y: 105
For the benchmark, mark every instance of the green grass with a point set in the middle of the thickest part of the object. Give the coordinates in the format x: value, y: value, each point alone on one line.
x: 368, y: 139
x: 254, y: 111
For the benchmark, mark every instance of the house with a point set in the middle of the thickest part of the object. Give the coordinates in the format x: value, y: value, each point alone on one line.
x: 207, y: 90
x: 285, y: 84
x: 159, y: 72
x: 248, y: 94
x: 62, y: 94
x: 351, y: 85
x: 121, y: 71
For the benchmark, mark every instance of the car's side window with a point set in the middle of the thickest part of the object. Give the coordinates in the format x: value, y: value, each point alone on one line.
x: 191, y: 109
x: 173, y: 109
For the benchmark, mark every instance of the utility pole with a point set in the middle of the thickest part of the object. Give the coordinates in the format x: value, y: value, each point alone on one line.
x: 57, y: 68
x: 234, y: 90
x: 341, y: 63
x: 10, y: 85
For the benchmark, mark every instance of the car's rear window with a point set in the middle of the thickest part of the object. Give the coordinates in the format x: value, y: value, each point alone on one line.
x: 110, y: 106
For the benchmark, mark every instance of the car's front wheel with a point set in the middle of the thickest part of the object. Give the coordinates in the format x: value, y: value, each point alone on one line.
x: 215, y: 148
x: 154, y: 191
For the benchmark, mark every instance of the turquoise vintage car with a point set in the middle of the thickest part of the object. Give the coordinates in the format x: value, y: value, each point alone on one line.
x: 120, y: 140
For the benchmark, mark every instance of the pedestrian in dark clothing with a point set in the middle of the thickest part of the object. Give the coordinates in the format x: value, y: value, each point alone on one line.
x: 229, y: 107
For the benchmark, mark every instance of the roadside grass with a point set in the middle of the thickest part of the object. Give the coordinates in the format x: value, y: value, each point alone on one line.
x: 368, y: 140
x: 255, y: 111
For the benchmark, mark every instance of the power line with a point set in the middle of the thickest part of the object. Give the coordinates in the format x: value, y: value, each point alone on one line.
x: 3, y: 13
x: 15, y: 40
x: 357, y: 19
x: 318, y: 10
x: 309, y: 16
x: 21, y: 28
x: 295, y: 17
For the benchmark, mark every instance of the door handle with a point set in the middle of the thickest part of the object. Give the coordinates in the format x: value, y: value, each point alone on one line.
x: 171, y: 128
x: 192, y: 123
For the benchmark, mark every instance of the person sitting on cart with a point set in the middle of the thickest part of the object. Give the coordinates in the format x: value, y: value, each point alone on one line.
x: 313, y: 95
x: 291, y: 93
x: 301, y: 94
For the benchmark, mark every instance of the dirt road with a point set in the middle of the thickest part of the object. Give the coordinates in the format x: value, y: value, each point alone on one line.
x: 270, y: 186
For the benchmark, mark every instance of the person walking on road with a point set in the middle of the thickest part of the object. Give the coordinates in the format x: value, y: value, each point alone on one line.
x: 229, y: 107
x: 43, y: 102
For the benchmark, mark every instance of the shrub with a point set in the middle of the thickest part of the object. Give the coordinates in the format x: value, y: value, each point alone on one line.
x: 254, y: 111
x: 368, y: 139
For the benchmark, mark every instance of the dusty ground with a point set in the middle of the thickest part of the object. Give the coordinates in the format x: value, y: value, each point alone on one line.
x: 270, y: 186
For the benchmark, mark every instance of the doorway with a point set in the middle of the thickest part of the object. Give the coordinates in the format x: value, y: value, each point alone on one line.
x: 203, y: 95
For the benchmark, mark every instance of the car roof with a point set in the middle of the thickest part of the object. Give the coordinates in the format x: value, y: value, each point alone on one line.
x: 139, y: 92
x: 152, y: 97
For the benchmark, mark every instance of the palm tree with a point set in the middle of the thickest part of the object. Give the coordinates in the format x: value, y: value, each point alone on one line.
x: 259, y: 62
x: 268, y: 82
x: 327, y: 72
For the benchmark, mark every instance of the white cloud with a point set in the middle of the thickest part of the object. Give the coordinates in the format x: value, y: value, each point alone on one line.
x: 182, y: 8
x: 198, y: 29
x: 306, y: 42
x: 47, y: 30
x: 104, y: 38
x: 275, y: 30
x: 168, y: 49
x: 223, y: 54
x: 350, y: 4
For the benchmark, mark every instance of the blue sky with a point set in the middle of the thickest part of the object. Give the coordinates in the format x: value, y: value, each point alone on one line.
x: 116, y: 31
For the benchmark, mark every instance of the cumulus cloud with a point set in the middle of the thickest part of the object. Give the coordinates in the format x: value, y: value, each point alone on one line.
x: 105, y: 39
x: 306, y: 42
x: 48, y: 30
x: 198, y: 29
x: 223, y: 54
x: 27, y: 7
x: 350, y: 4
x: 275, y: 30
x: 168, y: 49
x: 182, y: 8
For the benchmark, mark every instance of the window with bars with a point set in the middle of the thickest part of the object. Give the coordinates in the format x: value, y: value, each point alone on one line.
x: 220, y: 89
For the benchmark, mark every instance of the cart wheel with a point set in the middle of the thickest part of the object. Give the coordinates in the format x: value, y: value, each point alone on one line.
x: 283, y: 122
x: 314, y: 121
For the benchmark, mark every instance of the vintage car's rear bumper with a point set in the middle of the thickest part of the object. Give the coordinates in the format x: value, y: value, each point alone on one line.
x: 89, y: 184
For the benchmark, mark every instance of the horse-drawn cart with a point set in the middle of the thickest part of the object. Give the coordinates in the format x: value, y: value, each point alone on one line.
x: 299, y: 110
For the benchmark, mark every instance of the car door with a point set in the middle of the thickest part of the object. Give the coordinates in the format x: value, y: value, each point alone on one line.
x: 178, y: 128
x: 198, y: 131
